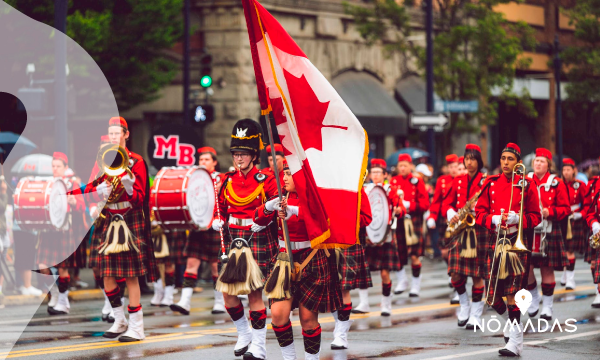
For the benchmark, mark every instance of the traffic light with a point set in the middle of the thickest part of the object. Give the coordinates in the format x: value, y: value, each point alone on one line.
x: 206, y: 70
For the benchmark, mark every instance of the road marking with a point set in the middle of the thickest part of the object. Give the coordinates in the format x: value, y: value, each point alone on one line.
x: 536, y: 342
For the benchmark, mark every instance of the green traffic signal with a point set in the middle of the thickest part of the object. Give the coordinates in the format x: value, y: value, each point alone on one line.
x: 206, y: 81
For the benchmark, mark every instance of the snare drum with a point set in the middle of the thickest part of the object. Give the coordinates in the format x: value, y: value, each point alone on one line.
x: 183, y: 198
x: 41, y: 204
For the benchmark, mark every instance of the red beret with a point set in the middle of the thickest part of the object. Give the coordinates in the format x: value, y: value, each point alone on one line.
x: 461, y: 160
x: 473, y: 147
x: 207, y: 149
x: 513, y: 148
x: 60, y: 156
x: 278, y: 149
x: 285, y: 163
x: 568, y: 162
x: 118, y: 121
x: 452, y: 158
x: 404, y: 157
x: 104, y: 139
x: 378, y: 163
x: 543, y: 152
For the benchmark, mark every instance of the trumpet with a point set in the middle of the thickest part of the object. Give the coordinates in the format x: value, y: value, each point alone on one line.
x: 113, y: 161
x: 505, y: 250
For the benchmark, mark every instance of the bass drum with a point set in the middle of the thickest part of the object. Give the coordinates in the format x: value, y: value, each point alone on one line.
x: 41, y: 204
x: 183, y: 198
x: 379, y: 228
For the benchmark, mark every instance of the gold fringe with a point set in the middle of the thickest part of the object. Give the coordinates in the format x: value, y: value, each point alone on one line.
x: 569, y: 229
x: 254, y: 276
x: 119, y: 238
x: 468, y: 250
x: 508, y: 260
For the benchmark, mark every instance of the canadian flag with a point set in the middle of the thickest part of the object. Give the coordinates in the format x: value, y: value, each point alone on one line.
x: 324, y: 144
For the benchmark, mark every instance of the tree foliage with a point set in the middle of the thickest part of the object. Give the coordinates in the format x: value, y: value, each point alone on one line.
x: 127, y: 38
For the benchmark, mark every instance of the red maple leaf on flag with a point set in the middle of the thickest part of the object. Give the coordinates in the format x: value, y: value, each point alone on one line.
x: 308, y: 110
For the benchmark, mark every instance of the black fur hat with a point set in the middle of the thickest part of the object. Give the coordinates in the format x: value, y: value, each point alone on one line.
x: 246, y: 136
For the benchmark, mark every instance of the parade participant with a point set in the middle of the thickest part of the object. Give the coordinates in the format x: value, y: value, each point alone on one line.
x: 242, y: 192
x: 163, y: 292
x: 497, y: 211
x: 592, y: 192
x: 579, y: 241
x: 593, y: 218
x: 381, y: 257
x: 130, y: 212
x: 467, y: 249
x: 314, y: 291
x: 57, y: 248
x: 462, y: 169
x: 416, y: 202
x: 279, y: 158
x: 434, y: 221
x: 202, y: 246
x: 554, y: 203
x: 354, y: 272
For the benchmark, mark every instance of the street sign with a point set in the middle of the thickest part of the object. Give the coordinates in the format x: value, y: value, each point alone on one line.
x: 459, y: 106
x: 420, y: 121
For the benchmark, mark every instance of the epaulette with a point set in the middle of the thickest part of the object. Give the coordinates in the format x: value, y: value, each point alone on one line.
x: 260, y: 177
x: 414, y: 180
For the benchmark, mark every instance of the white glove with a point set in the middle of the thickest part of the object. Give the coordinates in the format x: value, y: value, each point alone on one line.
x: 272, y: 205
x: 496, y: 219
x: 596, y: 228
x: 217, y: 224
x: 450, y: 214
x: 128, y: 182
x: 291, y: 210
x: 577, y: 216
x: 512, y: 218
x: 431, y: 223
x: 154, y: 223
x: 104, y: 189
x: 257, y: 228
x: 406, y: 204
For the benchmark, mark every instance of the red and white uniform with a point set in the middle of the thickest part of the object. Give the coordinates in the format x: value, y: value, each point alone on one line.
x: 442, y: 187
x: 463, y: 189
x: 553, y: 195
x: 414, y: 192
x: 576, y: 191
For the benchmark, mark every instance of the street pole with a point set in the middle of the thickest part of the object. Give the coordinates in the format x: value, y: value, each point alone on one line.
x: 60, y: 77
x: 186, y: 61
x: 429, y: 71
x: 559, y: 129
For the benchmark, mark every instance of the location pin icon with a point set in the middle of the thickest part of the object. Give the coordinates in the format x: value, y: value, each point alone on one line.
x: 523, y: 300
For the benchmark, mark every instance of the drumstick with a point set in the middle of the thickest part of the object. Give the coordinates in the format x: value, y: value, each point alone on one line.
x: 224, y: 257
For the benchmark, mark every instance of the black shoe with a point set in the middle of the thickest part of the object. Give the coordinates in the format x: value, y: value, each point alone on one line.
x: 506, y: 352
x: 470, y: 327
x: 454, y: 302
x: 241, y: 351
x: 570, y: 288
x: 546, y: 317
x: 179, y: 309
x: 105, y: 317
x: 215, y: 312
x: 128, y: 339
x: 111, y: 335
x: 398, y: 292
x: 110, y: 319
x: 462, y: 323
x: 385, y: 314
x: 413, y: 295
x: 562, y: 283
x: 534, y: 314
x: 51, y: 311
x: 338, y: 347
x: 249, y: 356
x: 596, y: 306
x: 358, y: 312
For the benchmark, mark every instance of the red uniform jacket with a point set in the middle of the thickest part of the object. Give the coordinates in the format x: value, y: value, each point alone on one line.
x: 593, y: 213
x: 243, y: 186
x: 591, y: 191
x: 296, y: 225
x: 414, y: 192
x: 496, y: 196
x: 555, y: 198
x: 461, y: 192
x: 442, y: 187
x: 577, y: 190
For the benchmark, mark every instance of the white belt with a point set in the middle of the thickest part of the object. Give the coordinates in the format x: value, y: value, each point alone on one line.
x: 512, y: 230
x: 119, y: 206
x: 295, y: 245
x: 575, y: 207
x: 544, y: 226
x: 240, y: 222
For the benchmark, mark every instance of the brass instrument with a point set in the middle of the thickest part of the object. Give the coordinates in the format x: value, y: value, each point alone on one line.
x: 595, y: 241
x: 113, y: 161
x: 465, y: 218
x: 506, y: 251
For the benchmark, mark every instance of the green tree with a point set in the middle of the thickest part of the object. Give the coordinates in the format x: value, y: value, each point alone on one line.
x: 127, y: 38
x: 476, y: 53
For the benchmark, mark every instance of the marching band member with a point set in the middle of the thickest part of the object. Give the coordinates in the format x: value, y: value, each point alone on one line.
x: 380, y: 257
x: 355, y: 274
x: 593, y: 218
x: 130, y: 212
x: 316, y: 291
x: 279, y: 160
x: 579, y: 241
x: 468, y: 249
x: 202, y: 246
x: 493, y: 212
x: 593, y: 186
x: 554, y: 203
x: 434, y: 221
x: 416, y: 202
x: 163, y: 292
x: 242, y: 192
x: 462, y: 169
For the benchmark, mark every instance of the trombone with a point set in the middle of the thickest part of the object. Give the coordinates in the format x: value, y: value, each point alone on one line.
x: 506, y: 251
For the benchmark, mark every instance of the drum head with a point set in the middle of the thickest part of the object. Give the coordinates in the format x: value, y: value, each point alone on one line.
x: 58, y: 207
x: 201, y: 198
x: 380, y: 211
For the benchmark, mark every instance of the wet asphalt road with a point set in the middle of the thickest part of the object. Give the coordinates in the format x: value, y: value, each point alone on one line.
x: 419, y: 328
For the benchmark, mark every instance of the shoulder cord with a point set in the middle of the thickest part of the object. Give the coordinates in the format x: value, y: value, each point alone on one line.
x: 238, y: 201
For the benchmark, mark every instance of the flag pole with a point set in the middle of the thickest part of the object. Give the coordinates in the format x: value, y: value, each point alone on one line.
x: 286, y: 235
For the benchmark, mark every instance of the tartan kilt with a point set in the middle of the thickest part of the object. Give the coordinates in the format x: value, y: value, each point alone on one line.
x: 474, y: 267
x: 597, y: 267
x: 125, y: 264
x: 317, y: 290
x: 579, y: 242
x: 512, y: 283
x: 56, y: 248
x: 204, y: 245
x: 176, y: 240
x: 405, y: 251
x: 264, y: 247
x: 354, y: 269
x: 383, y: 257
x: 556, y: 255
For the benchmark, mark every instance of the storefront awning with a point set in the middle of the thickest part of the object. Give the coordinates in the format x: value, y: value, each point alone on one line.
x: 411, y: 94
x: 374, y: 107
